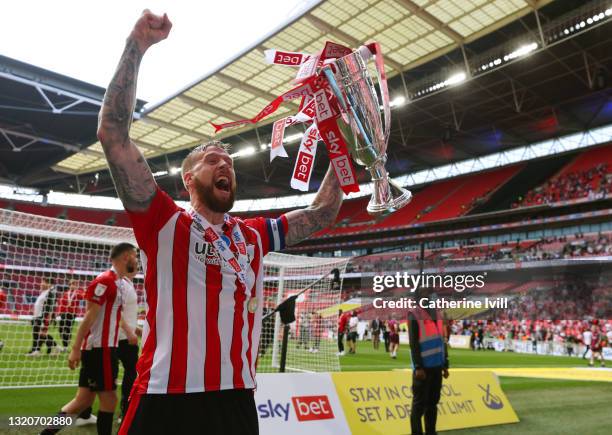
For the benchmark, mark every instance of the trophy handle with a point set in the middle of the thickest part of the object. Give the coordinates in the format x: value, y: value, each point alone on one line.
x: 367, y: 51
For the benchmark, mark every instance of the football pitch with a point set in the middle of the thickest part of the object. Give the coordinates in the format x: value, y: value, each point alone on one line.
x: 544, y: 406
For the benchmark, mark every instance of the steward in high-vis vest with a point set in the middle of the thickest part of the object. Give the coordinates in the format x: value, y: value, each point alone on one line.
x: 430, y: 363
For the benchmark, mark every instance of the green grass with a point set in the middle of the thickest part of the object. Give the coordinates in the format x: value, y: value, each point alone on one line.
x: 543, y: 406
x: 367, y: 359
x: 547, y: 406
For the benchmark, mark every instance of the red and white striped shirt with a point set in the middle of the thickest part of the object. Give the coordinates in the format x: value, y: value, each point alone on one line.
x: 70, y: 301
x: 199, y: 334
x: 104, y: 290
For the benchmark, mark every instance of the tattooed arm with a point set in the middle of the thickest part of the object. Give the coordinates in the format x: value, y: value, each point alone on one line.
x: 131, y: 174
x: 320, y: 214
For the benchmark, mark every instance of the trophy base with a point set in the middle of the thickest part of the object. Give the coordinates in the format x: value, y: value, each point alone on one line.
x: 398, y: 198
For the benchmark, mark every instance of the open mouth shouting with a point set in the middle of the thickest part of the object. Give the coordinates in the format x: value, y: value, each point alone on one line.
x: 223, y: 184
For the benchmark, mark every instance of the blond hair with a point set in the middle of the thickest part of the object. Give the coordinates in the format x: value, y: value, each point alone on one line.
x: 190, y: 159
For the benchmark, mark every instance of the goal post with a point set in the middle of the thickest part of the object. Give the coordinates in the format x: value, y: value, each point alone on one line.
x: 40, y: 254
x: 37, y: 252
x: 312, y: 336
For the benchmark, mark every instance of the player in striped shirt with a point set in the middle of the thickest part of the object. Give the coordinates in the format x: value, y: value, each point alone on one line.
x: 95, y: 344
x: 203, y: 271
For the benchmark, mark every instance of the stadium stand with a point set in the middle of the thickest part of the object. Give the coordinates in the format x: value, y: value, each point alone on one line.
x: 589, y: 175
x: 586, y: 176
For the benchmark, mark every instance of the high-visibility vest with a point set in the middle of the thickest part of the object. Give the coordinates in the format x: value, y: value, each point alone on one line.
x: 431, y: 338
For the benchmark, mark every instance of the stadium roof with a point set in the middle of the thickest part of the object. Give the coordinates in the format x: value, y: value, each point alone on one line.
x: 544, y: 75
x: 411, y: 33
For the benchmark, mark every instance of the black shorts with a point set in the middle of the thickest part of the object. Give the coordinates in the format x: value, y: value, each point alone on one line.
x: 352, y: 336
x: 99, y: 369
x: 225, y: 412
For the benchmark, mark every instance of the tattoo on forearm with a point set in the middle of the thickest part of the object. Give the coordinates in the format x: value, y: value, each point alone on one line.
x: 134, y: 184
x: 321, y: 214
x: 120, y: 97
x: 131, y: 174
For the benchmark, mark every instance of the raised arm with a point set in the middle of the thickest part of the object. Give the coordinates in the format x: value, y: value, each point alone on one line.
x: 320, y: 214
x: 131, y: 174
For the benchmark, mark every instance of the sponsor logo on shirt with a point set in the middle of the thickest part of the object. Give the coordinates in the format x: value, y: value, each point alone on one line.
x: 206, y: 253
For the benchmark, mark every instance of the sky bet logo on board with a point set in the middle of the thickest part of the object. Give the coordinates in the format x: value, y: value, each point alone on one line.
x: 309, y: 408
x: 306, y: 408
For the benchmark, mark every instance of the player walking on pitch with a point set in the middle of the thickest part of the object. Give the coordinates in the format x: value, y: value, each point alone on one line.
x: 95, y: 344
x: 44, y: 309
x: 204, y: 271
x: 127, y: 352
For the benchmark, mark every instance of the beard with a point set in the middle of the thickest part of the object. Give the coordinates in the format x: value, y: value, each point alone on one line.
x: 206, y: 195
x: 131, y: 267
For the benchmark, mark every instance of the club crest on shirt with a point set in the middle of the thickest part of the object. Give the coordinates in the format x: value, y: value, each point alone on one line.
x: 100, y: 289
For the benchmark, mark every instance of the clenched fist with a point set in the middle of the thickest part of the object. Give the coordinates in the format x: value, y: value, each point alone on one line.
x: 150, y: 29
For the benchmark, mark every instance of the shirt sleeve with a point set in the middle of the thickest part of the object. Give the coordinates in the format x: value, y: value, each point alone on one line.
x: 100, y: 290
x: 147, y: 224
x: 272, y: 232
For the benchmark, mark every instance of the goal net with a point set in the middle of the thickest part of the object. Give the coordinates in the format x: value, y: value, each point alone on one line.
x: 311, y: 342
x: 56, y: 258
x: 52, y: 261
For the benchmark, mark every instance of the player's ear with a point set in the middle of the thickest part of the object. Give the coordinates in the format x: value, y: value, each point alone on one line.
x: 187, y: 178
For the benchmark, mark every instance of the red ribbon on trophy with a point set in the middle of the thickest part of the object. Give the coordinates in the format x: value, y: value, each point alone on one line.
x: 304, y: 162
x: 319, y: 107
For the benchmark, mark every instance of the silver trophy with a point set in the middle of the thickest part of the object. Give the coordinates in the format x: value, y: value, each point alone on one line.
x: 362, y: 125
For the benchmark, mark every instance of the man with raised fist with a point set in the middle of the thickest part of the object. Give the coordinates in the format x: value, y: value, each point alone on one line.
x: 204, y: 270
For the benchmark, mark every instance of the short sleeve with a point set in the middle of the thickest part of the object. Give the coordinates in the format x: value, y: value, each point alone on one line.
x: 100, y: 290
x: 146, y: 224
x: 271, y: 231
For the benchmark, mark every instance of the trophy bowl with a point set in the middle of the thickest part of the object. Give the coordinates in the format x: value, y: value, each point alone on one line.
x: 365, y: 129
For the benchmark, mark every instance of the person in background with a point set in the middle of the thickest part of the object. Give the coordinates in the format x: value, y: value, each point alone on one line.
x: 352, y: 332
x: 428, y: 351
x: 587, y: 336
x: 569, y: 343
x: 342, y: 326
x: 385, y: 334
x: 95, y: 344
x: 375, y: 327
x: 598, y: 342
x: 68, y: 309
x: 393, y: 328
x: 42, y: 316
x: 304, y: 331
x: 316, y: 330
x: 473, y: 337
x: 128, y: 352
